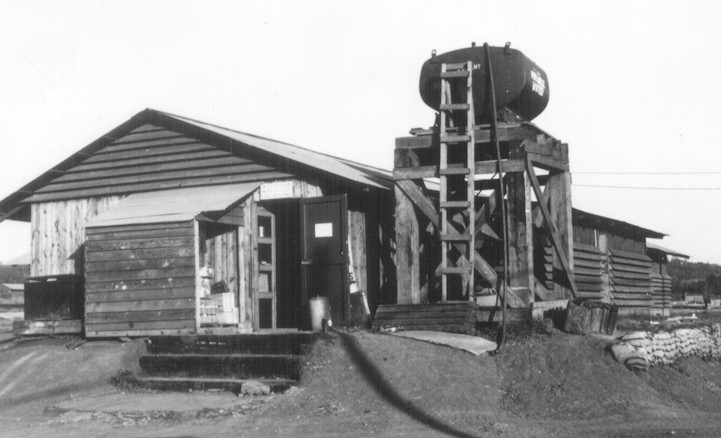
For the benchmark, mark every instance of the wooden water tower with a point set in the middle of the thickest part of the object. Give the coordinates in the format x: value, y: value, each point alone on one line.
x: 453, y: 182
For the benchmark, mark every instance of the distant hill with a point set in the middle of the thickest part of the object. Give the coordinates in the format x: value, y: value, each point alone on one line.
x: 14, y: 274
x: 691, y: 276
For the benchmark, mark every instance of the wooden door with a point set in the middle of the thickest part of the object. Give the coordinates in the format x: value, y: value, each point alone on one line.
x: 324, y: 225
x: 266, y: 297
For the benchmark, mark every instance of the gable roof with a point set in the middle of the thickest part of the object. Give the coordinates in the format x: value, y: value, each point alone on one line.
x: 615, y: 226
x: 177, y: 144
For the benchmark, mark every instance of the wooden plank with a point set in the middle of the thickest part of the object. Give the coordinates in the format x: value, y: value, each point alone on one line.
x: 147, y: 144
x: 146, y: 274
x: 586, y: 248
x: 142, y: 254
x: 555, y: 238
x: 627, y: 262
x: 234, y: 169
x: 130, y: 333
x: 154, y: 152
x: 520, y: 231
x: 140, y: 264
x: 161, y: 159
x: 140, y: 305
x: 173, y: 232
x: 630, y: 255
x: 50, y: 328
x: 215, y: 162
x: 97, y: 329
x: 140, y: 316
x: 139, y: 295
x: 147, y: 135
x: 157, y: 185
x: 407, y: 242
x: 113, y: 230
x: 139, y: 244
x: 616, y: 269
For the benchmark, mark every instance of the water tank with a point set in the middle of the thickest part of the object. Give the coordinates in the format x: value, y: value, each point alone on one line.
x: 520, y: 84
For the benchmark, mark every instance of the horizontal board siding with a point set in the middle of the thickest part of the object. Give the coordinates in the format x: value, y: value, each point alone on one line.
x: 587, y: 270
x: 153, y: 159
x: 631, y: 279
x: 136, y: 287
x: 159, y: 185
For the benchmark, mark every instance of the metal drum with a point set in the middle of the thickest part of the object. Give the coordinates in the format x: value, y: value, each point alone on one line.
x: 520, y: 85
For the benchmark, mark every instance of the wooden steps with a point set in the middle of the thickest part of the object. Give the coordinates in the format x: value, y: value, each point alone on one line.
x: 224, y: 362
x: 450, y: 316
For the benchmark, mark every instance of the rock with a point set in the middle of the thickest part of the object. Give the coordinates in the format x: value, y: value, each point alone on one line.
x: 253, y: 387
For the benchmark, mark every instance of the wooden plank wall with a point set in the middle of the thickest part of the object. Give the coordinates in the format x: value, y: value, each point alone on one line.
x: 630, y: 279
x: 222, y: 253
x: 58, y: 234
x: 153, y: 158
x: 588, y: 270
x: 140, y: 280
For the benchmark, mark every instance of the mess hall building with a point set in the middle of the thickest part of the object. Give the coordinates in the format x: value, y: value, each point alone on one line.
x: 167, y: 225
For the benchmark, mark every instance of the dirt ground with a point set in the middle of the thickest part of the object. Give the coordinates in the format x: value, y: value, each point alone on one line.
x: 359, y: 384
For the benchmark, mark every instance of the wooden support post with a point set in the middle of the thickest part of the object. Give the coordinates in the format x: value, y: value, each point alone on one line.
x: 407, y: 261
x: 605, y: 269
x: 559, y: 190
x: 520, y: 232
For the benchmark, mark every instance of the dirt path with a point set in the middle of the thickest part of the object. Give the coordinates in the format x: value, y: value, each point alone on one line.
x: 360, y: 384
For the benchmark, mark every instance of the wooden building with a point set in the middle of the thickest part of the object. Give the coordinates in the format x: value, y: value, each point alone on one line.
x: 660, y: 278
x: 167, y: 225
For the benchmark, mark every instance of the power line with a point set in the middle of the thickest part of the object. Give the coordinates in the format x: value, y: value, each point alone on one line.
x: 648, y: 173
x: 649, y: 188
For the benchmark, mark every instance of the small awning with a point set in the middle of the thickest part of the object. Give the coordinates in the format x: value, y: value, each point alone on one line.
x: 177, y: 205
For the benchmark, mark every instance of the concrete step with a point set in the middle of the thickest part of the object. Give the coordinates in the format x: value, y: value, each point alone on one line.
x: 185, y: 384
x: 238, y: 366
x: 255, y: 343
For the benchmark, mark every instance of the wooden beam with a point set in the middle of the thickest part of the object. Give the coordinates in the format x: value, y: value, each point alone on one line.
x: 407, y: 239
x: 520, y: 231
x: 555, y: 239
x: 559, y: 197
x: 411, y: 190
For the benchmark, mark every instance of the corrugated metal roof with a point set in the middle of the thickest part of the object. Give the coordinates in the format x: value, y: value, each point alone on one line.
x: 344, y: 168
x: 176, y: 205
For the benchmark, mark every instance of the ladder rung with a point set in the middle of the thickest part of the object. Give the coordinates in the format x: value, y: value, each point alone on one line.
x: 454, y: 74
x: 455, y: 204
x: 454, y: 171
x: 455, y: 138
x: 454, y: 106
x: 456, y: 237
x: 454, y: 270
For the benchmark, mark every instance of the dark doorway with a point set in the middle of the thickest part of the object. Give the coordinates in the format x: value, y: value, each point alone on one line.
x: 324, y: 224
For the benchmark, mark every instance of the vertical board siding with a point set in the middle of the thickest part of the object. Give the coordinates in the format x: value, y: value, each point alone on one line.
x: 357, y: 248
x: 140, y: 280
x: 58, y: 234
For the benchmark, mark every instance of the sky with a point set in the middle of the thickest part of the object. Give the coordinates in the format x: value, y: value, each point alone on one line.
x: 635, y: 87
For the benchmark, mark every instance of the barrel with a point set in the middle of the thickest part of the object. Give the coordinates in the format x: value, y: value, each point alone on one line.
x: 520, y: 85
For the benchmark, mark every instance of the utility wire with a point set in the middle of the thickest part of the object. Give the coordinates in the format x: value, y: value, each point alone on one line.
x: 648, y: 173
x: 649, y: 188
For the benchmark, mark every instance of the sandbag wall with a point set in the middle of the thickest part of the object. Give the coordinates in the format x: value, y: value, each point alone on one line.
x: 665, y: 347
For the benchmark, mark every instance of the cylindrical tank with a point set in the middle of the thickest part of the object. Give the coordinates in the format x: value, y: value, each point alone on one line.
x: 520, y: 84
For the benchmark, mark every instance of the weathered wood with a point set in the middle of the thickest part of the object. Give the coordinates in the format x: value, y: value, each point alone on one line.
x: 407, y: 237
x: 143, y: 234
x: 147, y: 161
x: 142, y: 264
x: 562, y: 246
x: 222, y: 161
x: 147, y: 274
x: 166, y: 175
x: 135, y: 316
x: 158, y: 185
x: 140, y: 284
x: 140, y: 295
x: 143, y: 328
x: 520, y: 231
x: 50, y: 328
x: 146, y: 135
x: 142, y: 254
x: 114, y: 230
x: 157, y: 243
x: 58, y: 234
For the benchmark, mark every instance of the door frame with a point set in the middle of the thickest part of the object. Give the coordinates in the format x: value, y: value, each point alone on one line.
x: 305, y: 293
